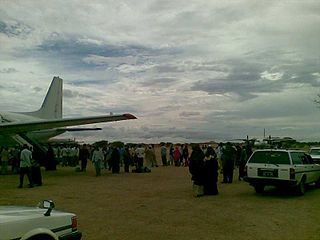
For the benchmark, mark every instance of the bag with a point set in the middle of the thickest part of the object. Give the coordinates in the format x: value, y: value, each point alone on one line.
x: 198, y: 190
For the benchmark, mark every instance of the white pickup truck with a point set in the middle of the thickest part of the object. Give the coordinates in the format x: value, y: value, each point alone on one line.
x: 37, y: 223
x: 278, y: 167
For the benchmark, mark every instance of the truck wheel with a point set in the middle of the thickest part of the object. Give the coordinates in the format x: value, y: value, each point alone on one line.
x: 259, y: 188
x: 301, y: 187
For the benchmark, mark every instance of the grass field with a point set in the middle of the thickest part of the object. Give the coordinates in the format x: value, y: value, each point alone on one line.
x: 160, y: 205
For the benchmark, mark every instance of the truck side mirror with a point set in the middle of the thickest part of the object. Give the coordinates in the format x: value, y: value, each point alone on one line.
x: 47, y: 204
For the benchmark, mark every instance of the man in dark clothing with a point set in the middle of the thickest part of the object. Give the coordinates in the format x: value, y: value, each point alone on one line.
x: 126, y: 159
x: 115, y: 160
x: 83, y: 157
x: 228, y: 159
x: 50, y: 160
x: 38, y: 156
x: 163, y: 151
x: 210, y: 172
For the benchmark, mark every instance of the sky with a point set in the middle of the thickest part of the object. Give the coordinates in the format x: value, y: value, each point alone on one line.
x: 190, y: 71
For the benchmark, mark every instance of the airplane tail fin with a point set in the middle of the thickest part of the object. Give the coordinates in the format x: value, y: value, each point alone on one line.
x: 52, y: 105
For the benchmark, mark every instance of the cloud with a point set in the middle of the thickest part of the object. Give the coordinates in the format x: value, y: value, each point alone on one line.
x: 8, y: 70
x: 189, y: 114
x: 206, y: 69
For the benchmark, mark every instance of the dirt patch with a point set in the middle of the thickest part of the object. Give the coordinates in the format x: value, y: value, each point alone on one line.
x: 160, y: 205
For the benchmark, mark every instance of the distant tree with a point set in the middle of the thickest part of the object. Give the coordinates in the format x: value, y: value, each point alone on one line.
x: 118, y: 144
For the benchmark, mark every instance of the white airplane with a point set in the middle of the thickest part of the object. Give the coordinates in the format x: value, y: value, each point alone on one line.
x: 27, y: 127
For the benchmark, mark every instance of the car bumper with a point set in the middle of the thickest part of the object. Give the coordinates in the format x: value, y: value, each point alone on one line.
x: 270, y: 181
x: 71, y: 236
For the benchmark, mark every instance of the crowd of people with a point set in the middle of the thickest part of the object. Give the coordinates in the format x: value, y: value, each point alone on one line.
x: 205, y: 162
x: 23, y: 161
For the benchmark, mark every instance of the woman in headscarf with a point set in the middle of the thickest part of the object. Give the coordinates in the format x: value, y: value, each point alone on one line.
x: 210, y: 172
x: 196, y: 169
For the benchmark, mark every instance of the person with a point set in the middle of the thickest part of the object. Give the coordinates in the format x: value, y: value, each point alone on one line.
x: 97, y: 158
x: 153, y: 157
x: 50, y: 160
x: 4, y: 160
x: 228, y: 158
x: 185, y: 153
x: 219, y: 154
x: 171, y: 149
x: 163, y: 151
x: 196, y: 163
x: 15, y: 159
x: 37, y: 158
x: 115, y: 160
x: 127, y: 161
x: 181, y: 155
x: 108, y: 157
x: 238, y: 155
x: 210, y: 172
x: 148, y: 157
x: 140, y: 156
x: 176, y: 156
x: 25, y: 166
x: 64, y: 156
x: 242, y: 163
x: 248, y: 149
x: 83, y: 157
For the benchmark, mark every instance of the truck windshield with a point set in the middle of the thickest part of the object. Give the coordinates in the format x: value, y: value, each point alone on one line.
x: 271, y: 157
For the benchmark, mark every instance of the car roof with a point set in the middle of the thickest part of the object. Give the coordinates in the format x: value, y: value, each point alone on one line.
x: 280, y: 150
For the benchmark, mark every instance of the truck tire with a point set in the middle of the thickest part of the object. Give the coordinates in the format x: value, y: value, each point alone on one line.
x: 259, y: 188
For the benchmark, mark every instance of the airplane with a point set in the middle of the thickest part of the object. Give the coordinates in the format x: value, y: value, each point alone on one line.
x: 247, y: 140
x: 30, y: 127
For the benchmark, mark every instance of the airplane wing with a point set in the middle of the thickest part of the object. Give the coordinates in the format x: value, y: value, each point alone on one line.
x: 21, y: 127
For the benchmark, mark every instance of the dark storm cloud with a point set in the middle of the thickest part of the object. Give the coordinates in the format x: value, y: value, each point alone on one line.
x: 72, y: 46
x: 14, y: 29
x: 88, y: 82
x: 115, y: 110
x: 168, y: 69
x: 159, y: 81
x: 74, y: 94
x: 37, y: 89
x: 208, y: 66
x: 245, y: 77
x: 72, y: 53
